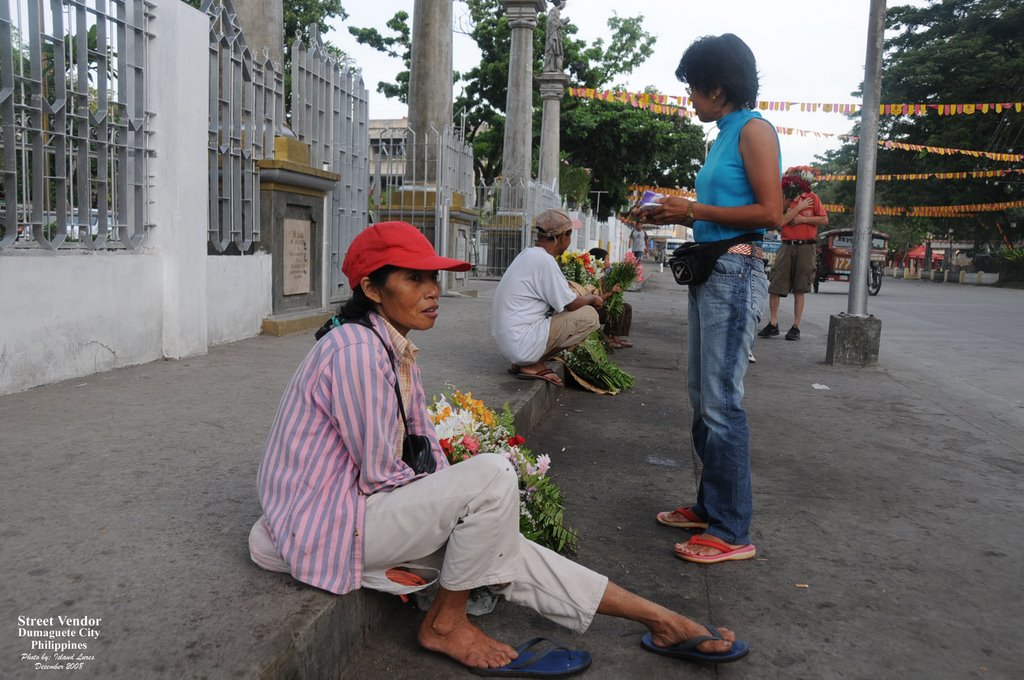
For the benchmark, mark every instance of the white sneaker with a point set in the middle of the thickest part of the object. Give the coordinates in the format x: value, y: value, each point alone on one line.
x: 750, y: 357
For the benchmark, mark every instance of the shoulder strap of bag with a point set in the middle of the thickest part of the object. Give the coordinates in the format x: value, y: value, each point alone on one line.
x: 336, y: 321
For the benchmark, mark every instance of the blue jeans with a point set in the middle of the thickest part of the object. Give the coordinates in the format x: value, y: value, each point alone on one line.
x: 723, y: 314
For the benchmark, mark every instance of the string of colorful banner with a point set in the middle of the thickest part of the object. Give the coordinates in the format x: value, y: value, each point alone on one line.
x: 665, y: 101
x: 889, y: 211
x: 657, y: 103
x: 975, y: 174
x: 932, y: 210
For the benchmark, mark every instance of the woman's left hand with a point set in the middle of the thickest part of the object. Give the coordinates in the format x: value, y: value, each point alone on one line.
x: 670, y: 210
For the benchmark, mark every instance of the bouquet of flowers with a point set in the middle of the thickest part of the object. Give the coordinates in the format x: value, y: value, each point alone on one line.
x: 465, y: 427
x: 796, y: 181
x: 624, y: 274
x: 579, y: 267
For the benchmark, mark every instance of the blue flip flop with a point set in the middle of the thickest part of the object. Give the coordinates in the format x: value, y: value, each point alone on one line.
x: 687, y: 649
x: 555, y: 663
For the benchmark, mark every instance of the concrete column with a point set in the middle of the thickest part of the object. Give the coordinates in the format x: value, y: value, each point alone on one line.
x: 552, y: 89
x: 430, y: 84
x: 262, y: 23
x: 522, y: 19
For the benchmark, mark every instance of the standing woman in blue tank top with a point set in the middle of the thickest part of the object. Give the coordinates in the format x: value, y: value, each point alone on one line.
x: 738, y: 191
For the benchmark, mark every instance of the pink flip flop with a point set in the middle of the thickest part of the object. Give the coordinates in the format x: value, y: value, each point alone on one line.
x: 743, y: 552
x: 670, y: 518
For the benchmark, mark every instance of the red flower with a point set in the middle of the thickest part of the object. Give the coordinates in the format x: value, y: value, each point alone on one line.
x: 446, y: 446
x: 516, y: 440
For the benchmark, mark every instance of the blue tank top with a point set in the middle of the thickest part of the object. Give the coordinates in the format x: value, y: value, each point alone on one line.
x: 723, y: 179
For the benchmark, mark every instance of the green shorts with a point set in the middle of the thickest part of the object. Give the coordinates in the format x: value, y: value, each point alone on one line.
x: 793, y: 271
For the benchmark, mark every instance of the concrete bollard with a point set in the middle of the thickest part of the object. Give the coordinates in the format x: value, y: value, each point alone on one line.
x: 963, y: 276
x: 980, y: 278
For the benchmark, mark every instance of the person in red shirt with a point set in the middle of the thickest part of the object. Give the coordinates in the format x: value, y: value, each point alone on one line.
x: 794, y: 267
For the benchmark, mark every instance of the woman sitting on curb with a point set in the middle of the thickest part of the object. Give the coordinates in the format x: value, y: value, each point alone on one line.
x: 342, y: 509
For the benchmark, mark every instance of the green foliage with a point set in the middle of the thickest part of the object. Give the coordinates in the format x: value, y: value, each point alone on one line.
x: 573, y: 182
x: 953, y: 51
x: 1014, y: 256
x: 632, y: 146
x: 622, y: 145
x: 398, y: 46
x: 590, y: 361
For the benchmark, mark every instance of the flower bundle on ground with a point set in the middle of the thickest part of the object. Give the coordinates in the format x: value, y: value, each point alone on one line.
x: 466, y: 427
x: 587, y: 361
x: 590, y: 361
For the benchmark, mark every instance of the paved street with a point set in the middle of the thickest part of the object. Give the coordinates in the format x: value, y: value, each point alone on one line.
x: 891, y: 495
x: 881, y: 494
x: 958, y: 341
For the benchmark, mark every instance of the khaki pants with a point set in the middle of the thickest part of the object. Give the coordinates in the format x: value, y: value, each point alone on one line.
x: 464, y: 521
x: 569, y: 329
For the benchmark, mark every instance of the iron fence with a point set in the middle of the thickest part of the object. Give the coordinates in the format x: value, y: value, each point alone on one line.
x: 74, y: 123
x: 246, y: 100
x: 330, y: 112
x: 507, y: 210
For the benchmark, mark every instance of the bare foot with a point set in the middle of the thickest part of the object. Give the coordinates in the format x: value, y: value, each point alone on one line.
x: 465, y: 643
x: 676, y: 628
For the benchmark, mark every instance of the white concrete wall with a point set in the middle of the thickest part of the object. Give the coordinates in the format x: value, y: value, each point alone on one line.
x: 238, y: 296
x: 75, y: 313
x: 178, y: 71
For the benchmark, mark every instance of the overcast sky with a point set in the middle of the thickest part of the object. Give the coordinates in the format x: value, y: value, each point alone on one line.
x: 806, y: 50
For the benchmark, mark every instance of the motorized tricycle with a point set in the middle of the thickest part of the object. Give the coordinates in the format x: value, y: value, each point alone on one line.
x: 835, y: 258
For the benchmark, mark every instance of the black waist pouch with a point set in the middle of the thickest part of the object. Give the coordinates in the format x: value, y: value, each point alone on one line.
x: 691, y: 263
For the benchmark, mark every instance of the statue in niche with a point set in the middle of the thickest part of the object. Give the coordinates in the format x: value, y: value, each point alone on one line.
x: 553, y: 54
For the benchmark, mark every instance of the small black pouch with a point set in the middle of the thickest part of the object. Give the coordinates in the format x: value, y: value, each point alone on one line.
x: 417, y: 454
x: 691, y: 263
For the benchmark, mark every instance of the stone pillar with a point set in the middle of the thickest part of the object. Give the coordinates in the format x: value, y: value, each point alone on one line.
x: 262, y: 23
x: 430, y: 84
x: 522, y: 19
x: 292, y: 230
x: 552, y: 89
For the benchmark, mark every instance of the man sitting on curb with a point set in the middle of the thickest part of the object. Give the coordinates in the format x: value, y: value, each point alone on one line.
x: 535, y: 314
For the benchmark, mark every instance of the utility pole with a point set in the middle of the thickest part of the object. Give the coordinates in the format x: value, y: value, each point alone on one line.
x: 597, y: 210
x: 854, y: 337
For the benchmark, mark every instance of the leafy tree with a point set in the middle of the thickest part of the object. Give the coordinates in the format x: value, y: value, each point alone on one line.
x: 398, y: 46
x: 951, y: 51
x: 635, y: 145
x: 298, y: 15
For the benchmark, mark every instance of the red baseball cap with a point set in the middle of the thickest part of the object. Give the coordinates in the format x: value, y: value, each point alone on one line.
x: 396, y: 243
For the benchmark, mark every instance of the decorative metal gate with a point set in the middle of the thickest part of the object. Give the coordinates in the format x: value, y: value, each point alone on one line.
x: 246, y: 108
x: 330, y: 112
x: 73, y: 123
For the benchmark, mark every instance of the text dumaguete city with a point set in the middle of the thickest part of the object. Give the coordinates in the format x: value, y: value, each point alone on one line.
x: 45, y: 631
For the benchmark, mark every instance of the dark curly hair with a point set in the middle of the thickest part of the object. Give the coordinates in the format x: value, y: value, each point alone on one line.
x: 722, y: 61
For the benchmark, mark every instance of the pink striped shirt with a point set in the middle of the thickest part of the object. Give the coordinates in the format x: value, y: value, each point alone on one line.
x: 335, y: 440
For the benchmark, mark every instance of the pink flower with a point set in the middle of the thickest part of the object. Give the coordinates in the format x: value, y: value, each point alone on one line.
x: 543, y: 463
x: 472, y: 444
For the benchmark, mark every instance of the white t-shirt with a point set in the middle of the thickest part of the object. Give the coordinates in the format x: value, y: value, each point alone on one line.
x: 532, y: 289
x: 638, y: 238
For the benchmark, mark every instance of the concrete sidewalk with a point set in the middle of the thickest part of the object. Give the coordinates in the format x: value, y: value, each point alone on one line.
x: 127, y: 497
